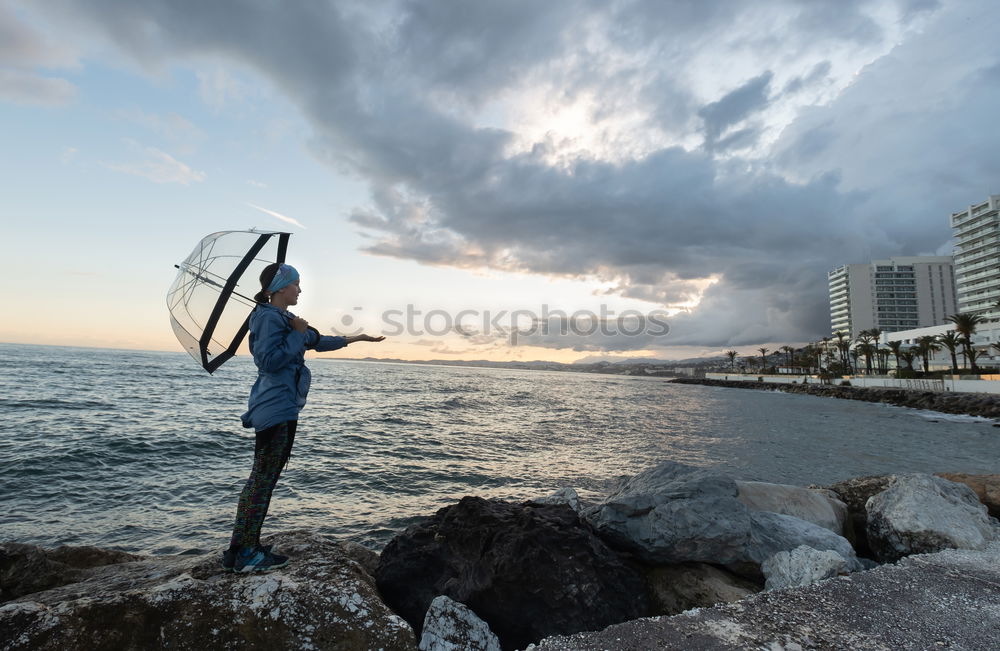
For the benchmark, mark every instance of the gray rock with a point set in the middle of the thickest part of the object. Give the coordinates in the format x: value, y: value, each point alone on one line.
x: 802, y: 566
x: 772, y: 533
x: 986, y: 487
x: 451, y: 626
x: 361, y: 555
x: 821, y: 507
x: 564, y: 495
x: 680, y: 587
x: 920, y: 513
x: 675, y: 513
x: 321, y: 599
x: 26, y: 568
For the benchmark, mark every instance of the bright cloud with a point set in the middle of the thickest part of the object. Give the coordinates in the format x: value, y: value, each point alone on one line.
x: 159, y: 167
x: 277, y: 215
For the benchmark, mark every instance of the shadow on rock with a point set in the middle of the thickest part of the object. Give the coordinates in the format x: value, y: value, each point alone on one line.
x: 323, y: 599
x: 529, y: 570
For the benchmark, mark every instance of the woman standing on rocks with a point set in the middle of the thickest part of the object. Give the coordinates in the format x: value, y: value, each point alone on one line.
x: 278, y: 341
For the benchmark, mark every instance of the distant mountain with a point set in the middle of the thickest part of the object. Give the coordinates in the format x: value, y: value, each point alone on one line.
x: 690, y: 361
x: 639, y: 366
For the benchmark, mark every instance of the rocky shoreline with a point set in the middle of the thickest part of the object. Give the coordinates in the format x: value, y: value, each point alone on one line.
x: 675, y: 557
x: 972, y: 404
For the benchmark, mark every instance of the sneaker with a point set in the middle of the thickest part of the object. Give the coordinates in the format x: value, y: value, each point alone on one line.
x: 258, y: 559
x: 229, y: 557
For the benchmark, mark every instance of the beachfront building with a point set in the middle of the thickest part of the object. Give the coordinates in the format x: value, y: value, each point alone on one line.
x: 977, y: 257
x: 985, y: 336
x: 900, y: 293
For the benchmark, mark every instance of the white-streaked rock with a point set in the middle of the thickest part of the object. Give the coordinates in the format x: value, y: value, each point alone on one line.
x: 920, y: 514
x: 802, y: 566
x: 189, y: 602
x: 452, y: 626
x: 564, y: 495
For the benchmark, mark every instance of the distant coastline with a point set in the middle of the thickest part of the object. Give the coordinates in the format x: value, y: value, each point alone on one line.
x: 657, y: 368
x: 972, y: 404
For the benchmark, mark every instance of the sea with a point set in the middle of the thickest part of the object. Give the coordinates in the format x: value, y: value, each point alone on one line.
x: 144, y: 451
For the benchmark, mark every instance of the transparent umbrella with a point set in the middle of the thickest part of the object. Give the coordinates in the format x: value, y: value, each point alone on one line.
x: 211, y: 299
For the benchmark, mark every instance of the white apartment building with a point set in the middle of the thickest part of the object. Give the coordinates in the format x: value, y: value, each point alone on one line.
x: 977, y: 257
x: 985, y: 336
x: 900, y: 293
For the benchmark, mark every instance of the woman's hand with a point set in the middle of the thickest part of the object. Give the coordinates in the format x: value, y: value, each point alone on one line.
x: 363, y: 337
x: 299, y: 324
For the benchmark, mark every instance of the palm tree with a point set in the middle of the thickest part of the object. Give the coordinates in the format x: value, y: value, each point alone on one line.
x: 978, y: 353
x: 925, y: 346
x: 732, y: 354
x: 876, y: 335
x: 951, y: 341
x: 907, y: 356
x: 883, y: 360
x: 843, y: 346
x: 867, y: 349
x: 894, y: 347
x: 763, y: 357
x: 812, y: 354
x: 965, y: 325
x: 825, y: 349
x: 788, y: 350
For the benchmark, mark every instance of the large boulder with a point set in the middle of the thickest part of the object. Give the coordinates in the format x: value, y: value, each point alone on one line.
x: 855, y: 493
x: 26, y: 568
x: 322, y: 599
x: 771, y: 533
x: 528, y: 570
x: 986, y: 487
x: 920, y: 514
x: 674, y: 513
x: 680, y: 587
x: 819, y: 506
x: 802, y: 566
x: 450, y: 626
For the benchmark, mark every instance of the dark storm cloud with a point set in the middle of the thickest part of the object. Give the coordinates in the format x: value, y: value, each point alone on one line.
x: 467, y: 47
x: 735, y: 106
x: 389, y: 90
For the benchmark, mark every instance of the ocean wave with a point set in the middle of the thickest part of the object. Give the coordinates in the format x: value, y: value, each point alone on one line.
x: 54, y: 403
x: 951, y: 418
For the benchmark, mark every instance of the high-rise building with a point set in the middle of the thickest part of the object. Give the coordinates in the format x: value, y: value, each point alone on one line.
x: 895, y: 294
x: 977, y: 257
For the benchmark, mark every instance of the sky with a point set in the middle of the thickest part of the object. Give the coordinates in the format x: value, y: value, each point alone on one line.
x: 676, y: 177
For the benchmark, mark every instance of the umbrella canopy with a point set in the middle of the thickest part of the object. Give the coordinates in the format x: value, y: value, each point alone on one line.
x: 211, y: 299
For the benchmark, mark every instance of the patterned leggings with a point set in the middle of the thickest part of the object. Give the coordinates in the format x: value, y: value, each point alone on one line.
x: 271, y: 452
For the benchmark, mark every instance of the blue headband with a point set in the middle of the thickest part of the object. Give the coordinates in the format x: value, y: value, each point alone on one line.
x: 285, y: 276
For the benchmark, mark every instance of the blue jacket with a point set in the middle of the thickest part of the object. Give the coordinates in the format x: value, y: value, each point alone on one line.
x: 282, y: 377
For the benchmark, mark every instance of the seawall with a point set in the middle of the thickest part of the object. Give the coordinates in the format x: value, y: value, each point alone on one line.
x: 973, y: 404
